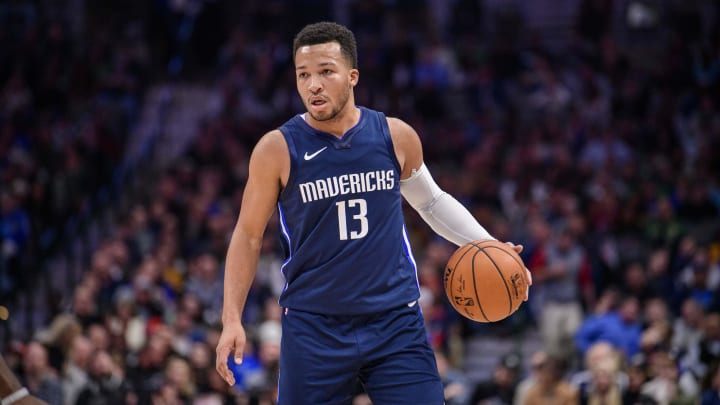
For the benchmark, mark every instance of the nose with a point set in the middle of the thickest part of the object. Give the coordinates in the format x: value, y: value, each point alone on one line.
x: 314, y: 84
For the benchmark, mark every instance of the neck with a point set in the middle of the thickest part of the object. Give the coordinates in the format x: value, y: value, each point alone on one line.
x: 340, y: 124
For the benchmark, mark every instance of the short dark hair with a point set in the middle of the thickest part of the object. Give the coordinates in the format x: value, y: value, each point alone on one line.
x: 324, y: 32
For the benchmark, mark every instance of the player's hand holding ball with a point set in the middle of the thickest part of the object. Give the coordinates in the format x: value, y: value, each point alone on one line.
x: 486, y: 281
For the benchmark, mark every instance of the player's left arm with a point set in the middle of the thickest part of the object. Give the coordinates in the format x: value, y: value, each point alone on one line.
x: 445, y: 215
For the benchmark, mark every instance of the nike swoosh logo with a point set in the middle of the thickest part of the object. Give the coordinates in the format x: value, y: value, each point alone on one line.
x: 312, y: 155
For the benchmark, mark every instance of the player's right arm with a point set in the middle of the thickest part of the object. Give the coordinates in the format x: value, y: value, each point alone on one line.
x: 268, y: 171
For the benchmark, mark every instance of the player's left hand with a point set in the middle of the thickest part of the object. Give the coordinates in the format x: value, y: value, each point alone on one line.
x: 528, y: 275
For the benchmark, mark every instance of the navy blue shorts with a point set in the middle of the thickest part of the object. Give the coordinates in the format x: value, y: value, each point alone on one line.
x: 323, y: 357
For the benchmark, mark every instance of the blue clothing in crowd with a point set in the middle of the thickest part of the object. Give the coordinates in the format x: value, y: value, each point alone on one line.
x: 611, y: 328
x: 710, y: 397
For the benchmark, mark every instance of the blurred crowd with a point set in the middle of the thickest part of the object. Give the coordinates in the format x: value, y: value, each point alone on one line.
x: 602, y: 159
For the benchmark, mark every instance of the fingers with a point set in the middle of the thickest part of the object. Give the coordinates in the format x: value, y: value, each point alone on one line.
x: 239, y: 349
x: 518, y: 248
x: 528, y: 278
x: 232, y: 340
x: 222, y: 352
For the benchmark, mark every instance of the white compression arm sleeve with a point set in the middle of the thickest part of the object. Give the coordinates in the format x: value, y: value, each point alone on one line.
x: 445, y: 215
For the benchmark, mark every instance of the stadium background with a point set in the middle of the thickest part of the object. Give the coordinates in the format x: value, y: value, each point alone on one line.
x: 588, y: 130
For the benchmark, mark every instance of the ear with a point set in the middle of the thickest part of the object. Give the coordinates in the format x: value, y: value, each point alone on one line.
x: 354, y: 77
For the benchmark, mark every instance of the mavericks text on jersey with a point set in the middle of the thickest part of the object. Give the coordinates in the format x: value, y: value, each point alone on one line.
x: 341, y: 219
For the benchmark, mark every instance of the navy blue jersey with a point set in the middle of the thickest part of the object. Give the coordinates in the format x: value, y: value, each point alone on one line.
x: 346, y: 245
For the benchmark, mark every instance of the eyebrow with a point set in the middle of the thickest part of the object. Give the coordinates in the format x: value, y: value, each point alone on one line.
x: 321, y: 64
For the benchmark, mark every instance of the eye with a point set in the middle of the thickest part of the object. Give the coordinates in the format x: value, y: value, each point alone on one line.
x: 327, y: 71
x: 302, y: 75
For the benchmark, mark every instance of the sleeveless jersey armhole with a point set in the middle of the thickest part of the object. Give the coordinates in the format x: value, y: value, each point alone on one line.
x: 389, y: 142
x: 292, y: 152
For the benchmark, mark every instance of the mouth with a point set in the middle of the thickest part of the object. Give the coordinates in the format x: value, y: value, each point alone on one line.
x: 317, y: 103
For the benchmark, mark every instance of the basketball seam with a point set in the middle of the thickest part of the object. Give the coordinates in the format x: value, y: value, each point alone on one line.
x: 477, y: 297
x: 452, y: 281
x: 502, y: 277
x: 520, y: 263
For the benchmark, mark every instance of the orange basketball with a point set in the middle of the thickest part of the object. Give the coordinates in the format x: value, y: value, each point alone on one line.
x: 485, y: 280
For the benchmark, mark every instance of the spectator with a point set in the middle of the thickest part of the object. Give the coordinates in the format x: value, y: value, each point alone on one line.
x: 262, y: 381
x: 550, y: 386
x: 75, y: 373
x: 663, y: 227
x: 707, y: 352
x: 14, y: 238
x: 99, y: 336
x: 635, y: 282
x: 168, y: 394
x: 661, y: 278
x: 106, y: 384
x: 664, y: 385
x: 604, y: 149
x: 700, y: 279
x: 558, y: 280
x: 41, y: 379
x: 58, y: 337
x: 687, y: 329
x: 128, y: 327
x: 604, y: 388
x: 604, y: 354
x: 711, y: 387
x: 178, y: 375
x: 620, y: 327
x: 145, y: 372
x: 204, y: 282
x: 637, y: 377
x: 537, y: 359
x: 200, y: 359
x: 455, y: 384
x: 84, y: 305
x: 697, y: 206
x: 501, y: 387
x: 534, y: 255
x: 219, y: 391
x: 657, y: 331
x: 435, y: 315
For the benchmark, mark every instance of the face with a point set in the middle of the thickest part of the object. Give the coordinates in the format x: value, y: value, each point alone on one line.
x: 324, y: 80
x: 35, y: 359
x: 629, y: 310
x: 598, y: 352
x: 102, y: 364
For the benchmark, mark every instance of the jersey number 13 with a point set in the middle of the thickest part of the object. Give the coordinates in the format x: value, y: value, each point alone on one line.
x: 358, y: 209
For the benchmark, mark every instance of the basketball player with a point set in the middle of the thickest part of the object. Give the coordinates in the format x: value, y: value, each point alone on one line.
x: 336, y: 174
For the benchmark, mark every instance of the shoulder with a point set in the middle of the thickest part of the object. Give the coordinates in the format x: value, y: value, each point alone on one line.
x: 403, y: 135
x: 400, y: 128
x: 271, y: 157
x: 272, y: 143
x: 406, y: 142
